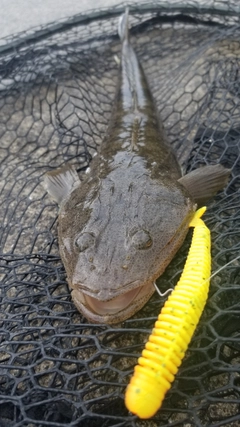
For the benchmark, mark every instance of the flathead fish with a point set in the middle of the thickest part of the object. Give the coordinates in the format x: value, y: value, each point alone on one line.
x: 121, y: 226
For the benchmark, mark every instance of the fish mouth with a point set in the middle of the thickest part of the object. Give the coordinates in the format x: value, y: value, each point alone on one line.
x: 114, y: 305
x: 114, y: 310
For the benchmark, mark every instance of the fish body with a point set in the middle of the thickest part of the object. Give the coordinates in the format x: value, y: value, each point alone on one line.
x: 121, y: 226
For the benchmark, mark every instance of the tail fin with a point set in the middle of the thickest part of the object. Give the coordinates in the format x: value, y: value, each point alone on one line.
x: 123, y: 26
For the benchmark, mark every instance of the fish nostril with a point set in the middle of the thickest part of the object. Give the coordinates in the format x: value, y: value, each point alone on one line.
x: 142, y: 239
x: 84, y: 241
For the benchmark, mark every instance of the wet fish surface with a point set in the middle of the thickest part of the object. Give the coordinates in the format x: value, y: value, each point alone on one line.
x: 121, y: 226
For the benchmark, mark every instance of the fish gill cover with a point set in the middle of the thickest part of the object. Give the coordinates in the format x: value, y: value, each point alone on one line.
x: 57, y: 88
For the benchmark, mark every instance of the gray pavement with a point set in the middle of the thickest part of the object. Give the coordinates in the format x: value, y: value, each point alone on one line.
x: 21, y: 15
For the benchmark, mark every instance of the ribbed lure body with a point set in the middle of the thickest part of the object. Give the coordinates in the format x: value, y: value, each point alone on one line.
x: 174, y: 328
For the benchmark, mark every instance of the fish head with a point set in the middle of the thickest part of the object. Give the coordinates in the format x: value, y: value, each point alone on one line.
x: 115, y: 242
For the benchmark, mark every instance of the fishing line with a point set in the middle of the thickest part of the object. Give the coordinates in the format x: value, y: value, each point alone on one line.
x: 169, y: 290
x: 224, y: 266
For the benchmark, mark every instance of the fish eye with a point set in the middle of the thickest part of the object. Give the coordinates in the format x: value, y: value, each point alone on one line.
x: 142, y: 239
x: 84, y: 241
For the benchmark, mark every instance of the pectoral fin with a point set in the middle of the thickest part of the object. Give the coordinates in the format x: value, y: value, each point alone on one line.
x: 205, y: 182
x: 59, y: 183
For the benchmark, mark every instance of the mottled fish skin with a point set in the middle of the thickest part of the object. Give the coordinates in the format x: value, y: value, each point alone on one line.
x: 130, y: 210
x: 121, y: 226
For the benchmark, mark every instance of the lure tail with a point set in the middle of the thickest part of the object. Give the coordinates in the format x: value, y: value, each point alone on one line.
x: 174, y: 328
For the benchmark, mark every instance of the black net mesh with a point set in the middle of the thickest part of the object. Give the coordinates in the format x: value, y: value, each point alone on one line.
x: 57, y: 87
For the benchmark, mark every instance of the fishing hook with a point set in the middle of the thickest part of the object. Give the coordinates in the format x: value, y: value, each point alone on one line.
x: 160, y: 293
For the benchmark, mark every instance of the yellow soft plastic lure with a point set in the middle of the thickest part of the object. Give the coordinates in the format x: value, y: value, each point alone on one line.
x: 174, y: 328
